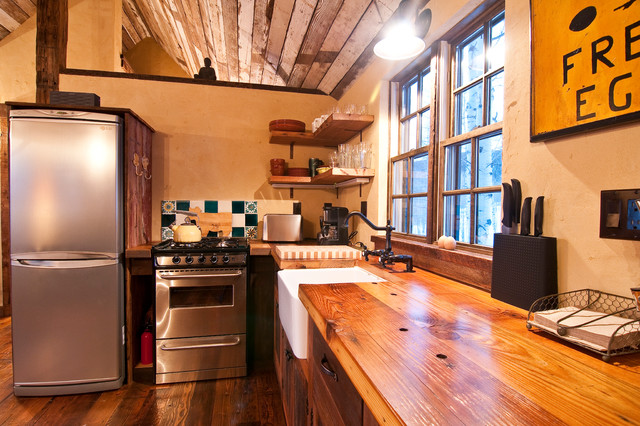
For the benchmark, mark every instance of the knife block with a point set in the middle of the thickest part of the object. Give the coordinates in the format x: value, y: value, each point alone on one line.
x: 524, y: 269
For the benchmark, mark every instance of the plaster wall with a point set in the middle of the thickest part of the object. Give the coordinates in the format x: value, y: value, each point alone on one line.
x: 212, y: 142
x: 18, y: 59
x: 147, y: 57
x: 95, y: 35
x: 570, y: 172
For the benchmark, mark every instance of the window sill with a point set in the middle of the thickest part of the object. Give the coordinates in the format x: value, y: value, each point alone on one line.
x: 461, y: 265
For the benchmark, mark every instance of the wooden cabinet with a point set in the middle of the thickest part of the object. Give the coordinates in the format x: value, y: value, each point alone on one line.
x: 137, y: 136
x: 260, y: 308
x: 335, y: 401
x: 291, y: 378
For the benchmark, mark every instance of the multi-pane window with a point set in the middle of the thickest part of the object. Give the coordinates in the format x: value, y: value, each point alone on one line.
x: 473, y: 157
x: 471, y: 195
x: 452, y: 186
x: 479, y: 78
x: 410, y: 168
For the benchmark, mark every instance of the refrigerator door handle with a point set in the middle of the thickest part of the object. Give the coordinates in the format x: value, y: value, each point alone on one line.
x: 63, y: 264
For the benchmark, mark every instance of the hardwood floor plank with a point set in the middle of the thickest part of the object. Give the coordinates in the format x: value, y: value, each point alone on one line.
x: 251, y: 400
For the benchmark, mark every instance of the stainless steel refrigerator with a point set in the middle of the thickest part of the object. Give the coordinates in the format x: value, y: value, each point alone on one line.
x: 67, y: 276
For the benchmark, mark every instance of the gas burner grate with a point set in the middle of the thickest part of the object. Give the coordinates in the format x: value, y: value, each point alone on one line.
x: 206, y: 244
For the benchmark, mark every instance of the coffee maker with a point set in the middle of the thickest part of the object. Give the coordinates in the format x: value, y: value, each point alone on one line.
x: 333, y: 230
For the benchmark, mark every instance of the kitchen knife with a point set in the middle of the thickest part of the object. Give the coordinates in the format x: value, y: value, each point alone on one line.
x: 525, y: 221
x: 538, y: 217
x: 507, y: 208
x: 517, y: 199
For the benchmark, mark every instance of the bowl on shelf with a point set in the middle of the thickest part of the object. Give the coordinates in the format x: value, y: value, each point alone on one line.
x: 287, y: 125
x: 323, y: 169
x: 298, y: 171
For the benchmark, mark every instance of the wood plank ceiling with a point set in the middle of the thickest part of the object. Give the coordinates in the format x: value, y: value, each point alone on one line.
x: 311, y: 44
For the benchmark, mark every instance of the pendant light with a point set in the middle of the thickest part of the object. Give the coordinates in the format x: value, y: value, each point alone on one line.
x: 401, y: 40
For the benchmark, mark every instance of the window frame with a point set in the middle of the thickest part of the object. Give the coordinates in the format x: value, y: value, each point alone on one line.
x: 482, y: 24
x: 427, y: 61
x: 442, y: 110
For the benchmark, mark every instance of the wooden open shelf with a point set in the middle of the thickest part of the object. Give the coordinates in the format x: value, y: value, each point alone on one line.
x: 337, y: 129
x: 332, y: 178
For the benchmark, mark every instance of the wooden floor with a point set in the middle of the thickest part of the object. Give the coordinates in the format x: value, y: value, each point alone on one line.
x: 252, y: 400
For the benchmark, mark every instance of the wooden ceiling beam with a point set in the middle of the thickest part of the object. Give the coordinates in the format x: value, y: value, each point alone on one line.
x: 230, y: 19
x: 303, y: 11
x: 323, y: 17
x: 52, y: 18
x: 245, y: 35
x: 260, y: 35
x: 282, y: 11
x: 215, y: 16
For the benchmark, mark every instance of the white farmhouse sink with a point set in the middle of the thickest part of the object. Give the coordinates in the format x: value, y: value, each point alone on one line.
x: 293, y: 315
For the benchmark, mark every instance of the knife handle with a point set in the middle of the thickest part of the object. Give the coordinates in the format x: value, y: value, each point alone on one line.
x: 517, y: 198
x: 525, y: 221
x: 539, y: 215
x: 507, y: 205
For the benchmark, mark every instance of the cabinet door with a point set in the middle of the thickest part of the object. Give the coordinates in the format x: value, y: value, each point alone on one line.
x: 335, y: 400
x: 277, y: 340
x: 294, y: 386
x: 260, y: 312
x: 137, y: 181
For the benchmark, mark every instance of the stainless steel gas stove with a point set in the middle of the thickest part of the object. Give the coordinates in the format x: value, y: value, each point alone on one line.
x: 201, y: 309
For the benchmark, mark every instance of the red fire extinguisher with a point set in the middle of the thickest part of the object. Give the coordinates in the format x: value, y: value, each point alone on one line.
x: 146, y: 346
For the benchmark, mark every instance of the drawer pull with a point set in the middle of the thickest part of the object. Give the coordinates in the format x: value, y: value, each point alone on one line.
x: 288, y: 354
x: 326, y: 369
x: 233, y: 342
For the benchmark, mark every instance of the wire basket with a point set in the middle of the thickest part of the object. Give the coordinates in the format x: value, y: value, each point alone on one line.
x: 605, y: 323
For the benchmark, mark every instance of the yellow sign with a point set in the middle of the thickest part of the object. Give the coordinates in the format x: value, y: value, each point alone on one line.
x: 585, y: 65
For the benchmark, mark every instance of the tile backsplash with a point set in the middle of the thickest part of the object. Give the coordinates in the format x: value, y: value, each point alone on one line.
x: 243, y: 216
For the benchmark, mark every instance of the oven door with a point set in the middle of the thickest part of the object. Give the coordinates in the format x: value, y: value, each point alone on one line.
x: 200, y: 302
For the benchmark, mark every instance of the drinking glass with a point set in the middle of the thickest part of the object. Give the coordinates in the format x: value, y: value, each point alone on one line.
x: 333, y: 159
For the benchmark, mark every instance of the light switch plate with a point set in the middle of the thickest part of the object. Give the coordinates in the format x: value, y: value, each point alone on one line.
x: 620, y: 214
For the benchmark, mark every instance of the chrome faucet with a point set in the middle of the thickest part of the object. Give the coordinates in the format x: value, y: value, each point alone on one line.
x: 386, y: 256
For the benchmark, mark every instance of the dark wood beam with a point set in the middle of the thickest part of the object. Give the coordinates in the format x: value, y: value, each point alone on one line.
x: 51, y: 45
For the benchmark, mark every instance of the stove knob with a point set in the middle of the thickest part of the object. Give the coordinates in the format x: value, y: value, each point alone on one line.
x: 202, y: 259
x: 176, y: 259
x: 188, y: 259
x: 214, y: 259
x: 225, y: 259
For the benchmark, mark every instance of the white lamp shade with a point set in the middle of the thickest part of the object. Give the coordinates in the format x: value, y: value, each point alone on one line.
x: 400, y: 43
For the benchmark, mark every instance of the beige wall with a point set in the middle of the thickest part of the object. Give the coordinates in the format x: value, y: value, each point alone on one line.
x: 95, y: 35
x: 213, y: 142
x: 147, y: 57
x: 206, y: 132
x: 570, y: 172
x: 18, y: 64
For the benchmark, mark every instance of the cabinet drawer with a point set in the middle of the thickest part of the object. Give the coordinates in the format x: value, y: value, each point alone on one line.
x: 335, y: 399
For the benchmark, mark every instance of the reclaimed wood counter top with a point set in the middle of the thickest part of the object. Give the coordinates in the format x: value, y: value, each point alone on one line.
x: 423, y: 349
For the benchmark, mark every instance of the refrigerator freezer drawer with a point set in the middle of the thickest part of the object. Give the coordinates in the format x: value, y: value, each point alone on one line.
x: 68, y: 331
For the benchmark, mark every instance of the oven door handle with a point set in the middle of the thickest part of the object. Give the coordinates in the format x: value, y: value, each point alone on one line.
x: 235, y: 341
x: 182, y: 276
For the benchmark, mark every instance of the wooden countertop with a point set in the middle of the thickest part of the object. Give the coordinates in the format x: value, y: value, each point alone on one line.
x: 421, y: 348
